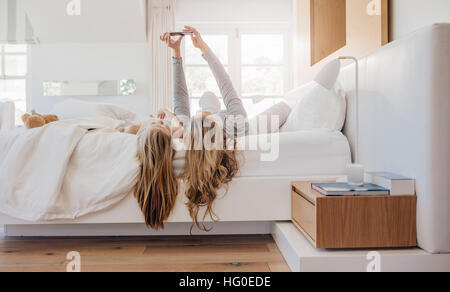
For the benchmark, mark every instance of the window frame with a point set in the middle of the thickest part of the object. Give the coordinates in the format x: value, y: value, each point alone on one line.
x: 234, y: 31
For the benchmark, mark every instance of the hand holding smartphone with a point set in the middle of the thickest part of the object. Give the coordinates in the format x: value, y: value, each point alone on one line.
x: 181, y: 33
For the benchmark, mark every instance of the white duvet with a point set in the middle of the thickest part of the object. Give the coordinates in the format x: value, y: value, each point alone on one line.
x: 64, y: 171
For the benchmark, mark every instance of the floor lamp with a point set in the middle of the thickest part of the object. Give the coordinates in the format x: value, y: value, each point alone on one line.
x: 355, y: 171
x: 327, y: 77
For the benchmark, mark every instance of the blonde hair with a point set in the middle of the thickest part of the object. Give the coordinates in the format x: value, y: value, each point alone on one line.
x: 207, y: 170
x: 157, y: 185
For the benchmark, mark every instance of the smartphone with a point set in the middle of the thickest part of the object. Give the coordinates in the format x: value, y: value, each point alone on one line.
x: 181, y: 33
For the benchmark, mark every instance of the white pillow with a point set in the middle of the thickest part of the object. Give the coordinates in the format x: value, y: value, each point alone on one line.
x: 262, y: 123
x: 293, y: 97
x: 315, y: 107
x: 72, y: 109
x: 116, y: 112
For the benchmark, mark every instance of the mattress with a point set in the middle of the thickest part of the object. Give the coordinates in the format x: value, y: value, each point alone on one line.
x: 305, y: 153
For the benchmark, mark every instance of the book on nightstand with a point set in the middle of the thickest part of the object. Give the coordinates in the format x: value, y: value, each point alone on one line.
x: 398, y: 185
x: 345, y: 189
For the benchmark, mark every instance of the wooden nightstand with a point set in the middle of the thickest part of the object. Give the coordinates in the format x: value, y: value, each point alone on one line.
x: 354, y: 222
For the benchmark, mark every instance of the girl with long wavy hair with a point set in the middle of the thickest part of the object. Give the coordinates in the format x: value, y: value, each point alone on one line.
x: 211, y: 156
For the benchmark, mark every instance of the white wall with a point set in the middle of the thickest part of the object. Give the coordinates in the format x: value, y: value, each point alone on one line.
x: 234, y: 10
x: 410, y: 15
x: 113, y: 61
x: 89, y: 62
x: 99, y: 21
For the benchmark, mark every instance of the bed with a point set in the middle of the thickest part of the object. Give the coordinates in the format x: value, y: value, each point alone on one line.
x: 259, y: 186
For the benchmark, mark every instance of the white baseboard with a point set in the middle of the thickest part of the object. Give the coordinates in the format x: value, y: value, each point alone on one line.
x: 219, y: 228
x: 301, y: 256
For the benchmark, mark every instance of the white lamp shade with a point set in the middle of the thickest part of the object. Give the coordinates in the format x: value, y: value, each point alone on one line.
x: 327, y: 77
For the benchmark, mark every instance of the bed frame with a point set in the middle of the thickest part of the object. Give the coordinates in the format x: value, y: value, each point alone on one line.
x: 263, y: 199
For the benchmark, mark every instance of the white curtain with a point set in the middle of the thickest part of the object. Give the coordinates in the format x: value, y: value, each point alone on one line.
x: 161, y: 19
x: 7, y: 116
x: 15, y: 27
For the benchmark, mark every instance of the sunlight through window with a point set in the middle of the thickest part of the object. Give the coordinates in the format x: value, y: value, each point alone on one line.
x: 255, y: 61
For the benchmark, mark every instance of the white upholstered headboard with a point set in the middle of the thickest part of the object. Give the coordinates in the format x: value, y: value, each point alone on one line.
x: 405, y: 122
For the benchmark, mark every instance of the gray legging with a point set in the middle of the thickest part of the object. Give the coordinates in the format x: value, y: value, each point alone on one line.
x: 233, y: 103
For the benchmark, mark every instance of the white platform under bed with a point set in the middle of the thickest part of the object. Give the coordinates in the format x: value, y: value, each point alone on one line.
x: 301, y: 256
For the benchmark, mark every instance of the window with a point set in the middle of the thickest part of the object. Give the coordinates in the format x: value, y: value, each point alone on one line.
x: 13, y: 72
x: 198, y: 75
x: 256, y: 57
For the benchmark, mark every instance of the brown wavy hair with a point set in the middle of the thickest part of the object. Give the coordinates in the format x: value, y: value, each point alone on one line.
x: 207, y: 169
x: 156, y: 188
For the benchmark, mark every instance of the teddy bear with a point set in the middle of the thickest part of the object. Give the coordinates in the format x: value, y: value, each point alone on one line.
x: 36, y: 120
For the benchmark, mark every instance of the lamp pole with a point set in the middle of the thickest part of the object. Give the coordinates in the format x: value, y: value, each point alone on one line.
x: 356, y: 102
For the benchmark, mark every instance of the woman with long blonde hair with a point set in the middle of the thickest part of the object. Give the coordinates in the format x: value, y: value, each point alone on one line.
x: 211, y: 157
x: 209, y: 166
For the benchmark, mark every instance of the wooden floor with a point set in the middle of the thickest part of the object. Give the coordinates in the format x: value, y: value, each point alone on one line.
x: 144, y: 254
